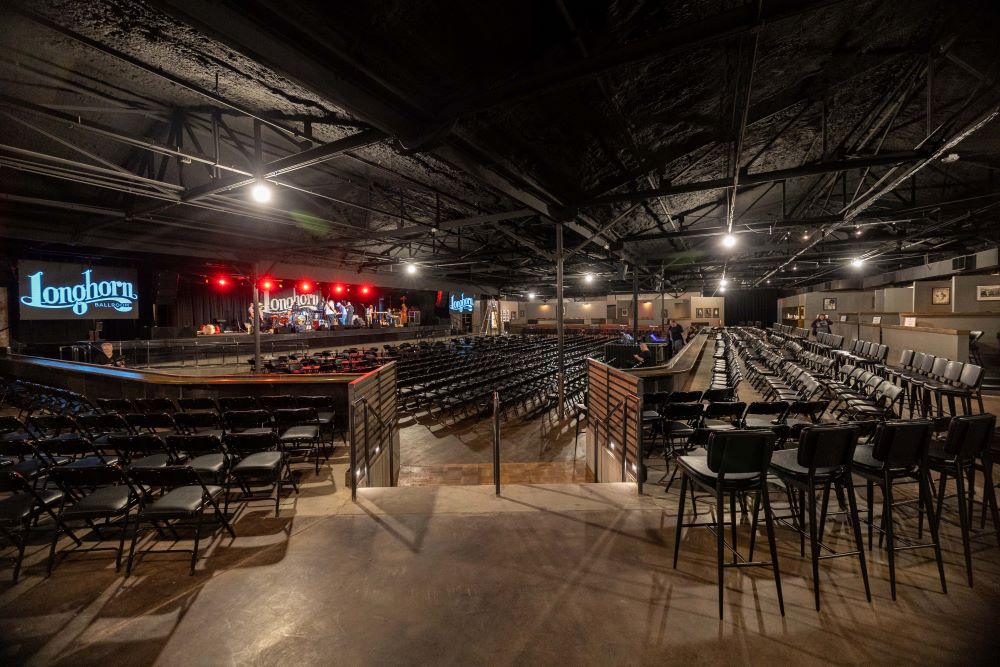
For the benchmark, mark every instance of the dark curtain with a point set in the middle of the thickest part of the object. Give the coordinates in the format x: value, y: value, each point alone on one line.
x: 199, y: 304
x: 749, y: 306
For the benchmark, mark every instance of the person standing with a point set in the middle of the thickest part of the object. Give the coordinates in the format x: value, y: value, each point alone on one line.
x: 402, y: 315
x: 676, y: 335
x: 820, y: 325
x: 350, y: 313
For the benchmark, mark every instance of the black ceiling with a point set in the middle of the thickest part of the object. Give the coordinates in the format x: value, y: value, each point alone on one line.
x: 457, y: 134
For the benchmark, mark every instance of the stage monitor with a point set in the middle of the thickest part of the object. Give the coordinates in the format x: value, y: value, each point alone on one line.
x: 59, y: 291
x: 459, y: 303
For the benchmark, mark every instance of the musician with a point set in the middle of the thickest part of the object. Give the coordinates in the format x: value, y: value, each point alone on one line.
x: 402, y: 316
x: 350, y: 313
x: 342, y: 314
x: 370, y: 315
x: 330, y: 311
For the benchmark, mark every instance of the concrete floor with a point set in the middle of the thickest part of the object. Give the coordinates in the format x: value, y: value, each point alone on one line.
x: 546, y: 574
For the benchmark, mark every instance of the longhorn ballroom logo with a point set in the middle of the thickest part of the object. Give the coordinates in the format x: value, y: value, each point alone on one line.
x: 117, y: 294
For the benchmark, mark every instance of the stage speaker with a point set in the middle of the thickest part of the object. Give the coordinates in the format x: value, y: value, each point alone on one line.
x: 166, y: 288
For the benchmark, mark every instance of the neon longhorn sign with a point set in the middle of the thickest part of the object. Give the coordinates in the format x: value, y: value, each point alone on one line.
x: 119, y: 295
x: 463, y: 304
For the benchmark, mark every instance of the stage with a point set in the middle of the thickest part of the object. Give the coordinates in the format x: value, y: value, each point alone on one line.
x: 230, y: 348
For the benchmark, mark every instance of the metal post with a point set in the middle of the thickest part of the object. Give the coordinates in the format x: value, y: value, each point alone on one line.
x: 257, y: 316
x: 496, y: 441
x: 561, y: 400
x: 352, y: 472
x: 635, y: 304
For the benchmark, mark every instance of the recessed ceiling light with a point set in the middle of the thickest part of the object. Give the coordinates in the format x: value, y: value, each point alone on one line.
x: 411, y: 268
x: 589, y: 277
x: 729, y: 240
x: 857, y: 262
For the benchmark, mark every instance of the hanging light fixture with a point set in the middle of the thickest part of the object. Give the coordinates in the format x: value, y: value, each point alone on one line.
x: 729, y: 240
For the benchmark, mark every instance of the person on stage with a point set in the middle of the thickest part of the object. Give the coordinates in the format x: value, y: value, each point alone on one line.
x: 369, y: 316
x: 402, y: 316
x: 350, y: 314
x: 342, y: 313
x: 330, y: 312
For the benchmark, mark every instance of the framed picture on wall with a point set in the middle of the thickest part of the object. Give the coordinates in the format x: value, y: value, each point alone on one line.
x: 987, y: 292
x: 830, y: 304
x: 699, y: 312
x: 941, y: 296
x: 715, y: 312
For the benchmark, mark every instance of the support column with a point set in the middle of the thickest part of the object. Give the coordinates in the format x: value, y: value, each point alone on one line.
x: 635, y: 303
x: 559, y: 321
x: 257, y: 316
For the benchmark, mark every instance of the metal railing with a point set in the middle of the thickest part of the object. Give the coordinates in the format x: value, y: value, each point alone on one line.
x: 496, y: 441
x: 383, y: 439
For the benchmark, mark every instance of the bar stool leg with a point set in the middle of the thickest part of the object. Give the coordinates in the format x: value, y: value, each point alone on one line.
x: 933, y: 522
x: 890, y: 537
x: 680, y: 519
x: 963, y: 518
x: 769, y: 522
x: 720, y: 535
x: 858, y: 541
x: 814, y: 544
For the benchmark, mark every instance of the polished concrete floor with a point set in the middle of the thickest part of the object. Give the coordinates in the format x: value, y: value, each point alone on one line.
x: 545, y: 574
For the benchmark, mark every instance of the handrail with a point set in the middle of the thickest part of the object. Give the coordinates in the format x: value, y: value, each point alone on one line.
x: 496, y: 441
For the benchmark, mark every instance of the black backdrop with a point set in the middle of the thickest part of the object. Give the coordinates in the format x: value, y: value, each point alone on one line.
x: 757, y: 305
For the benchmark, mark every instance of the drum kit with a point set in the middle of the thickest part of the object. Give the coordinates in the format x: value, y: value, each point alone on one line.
x: 301, y: 319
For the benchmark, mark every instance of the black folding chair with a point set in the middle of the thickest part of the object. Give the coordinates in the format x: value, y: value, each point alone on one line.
x: 21, y: 509
x: 258, y: 458
x: 184, y: 502
x: 103, y: 494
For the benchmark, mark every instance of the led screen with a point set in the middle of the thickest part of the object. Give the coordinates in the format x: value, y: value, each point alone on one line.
x: 58, y: 291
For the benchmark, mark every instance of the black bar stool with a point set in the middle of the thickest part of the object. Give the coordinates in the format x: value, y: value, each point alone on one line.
x: 823, y: 459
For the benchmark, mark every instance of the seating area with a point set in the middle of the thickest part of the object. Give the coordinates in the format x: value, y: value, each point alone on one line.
x: 351, y: 360
x: 108, y: 470
x: 457, y: 379
x: 833, y: 427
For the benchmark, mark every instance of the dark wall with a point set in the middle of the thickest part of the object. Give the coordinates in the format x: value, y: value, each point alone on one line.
x: 757, y: 305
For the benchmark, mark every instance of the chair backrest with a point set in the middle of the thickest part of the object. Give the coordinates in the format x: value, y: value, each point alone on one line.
x: 972, y: 376
x: 777, y: 408
x: 880, y: 353
x: 230, y: 403
x: 194, y: 444
x: 169, y: 477
x: 240, y: 419
x: 192, y: 421
x: 905, y: 358
x: 54, y: 424
x: 952, y: 371
x: 318, y: 402
x: 827, y: 446
x: 970, y: 435
x: 918, y: 360
x: 159, y: 404
x: 272, y: 403
x: 937, y: 368
x: 197, y: 403
x: 242, y: 444
x: 133, y: 446
x: 926, y: 364
x: 725, y: 410
x: 88, y: 477
x: 122, y: 405
x: 151, y: 421
x: 295, y: 416
x: 902, y: 444
x: 683, y: 411
x: 684, y: 397
x: 717, y: 395
x: 866, y: 348
x: 740, y: 452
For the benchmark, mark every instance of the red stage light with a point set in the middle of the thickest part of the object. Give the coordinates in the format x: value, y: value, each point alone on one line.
x: 364, y: 290
x: 267, y: 284
x: 305, y: 287
x: 222, y: 282
x: 338, y: 289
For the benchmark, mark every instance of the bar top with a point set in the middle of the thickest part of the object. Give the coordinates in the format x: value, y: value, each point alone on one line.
x: 682, y: 363
x: 953, y: 332
x: 159, y: 378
